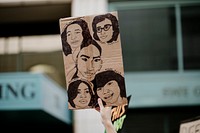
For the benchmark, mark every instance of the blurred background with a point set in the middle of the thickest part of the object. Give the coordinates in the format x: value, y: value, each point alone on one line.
x: 161, y: 53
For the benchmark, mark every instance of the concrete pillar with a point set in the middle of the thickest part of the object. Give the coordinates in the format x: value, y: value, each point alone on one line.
x: 88, y: 7
x: 88, y: 120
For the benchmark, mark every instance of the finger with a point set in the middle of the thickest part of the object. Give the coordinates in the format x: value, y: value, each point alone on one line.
x: 100, y: 103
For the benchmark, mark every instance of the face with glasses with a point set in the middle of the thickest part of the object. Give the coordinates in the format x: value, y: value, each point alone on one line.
x: 88, y: 62
x: 104, y: 30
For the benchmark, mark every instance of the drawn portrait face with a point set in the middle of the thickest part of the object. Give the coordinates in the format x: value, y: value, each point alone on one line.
x: 74, y: 35
x: 110, y: 87
x: 104, y: 30
x: 110, y: 92
x: 80, y: 94
x: 88, y: 62
x: 83, y: 96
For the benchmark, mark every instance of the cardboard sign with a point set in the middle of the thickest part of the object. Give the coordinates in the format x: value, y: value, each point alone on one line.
x: 190, y: 126
x: 93, y: 60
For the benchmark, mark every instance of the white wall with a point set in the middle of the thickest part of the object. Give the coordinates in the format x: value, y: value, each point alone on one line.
x: 87, y: 121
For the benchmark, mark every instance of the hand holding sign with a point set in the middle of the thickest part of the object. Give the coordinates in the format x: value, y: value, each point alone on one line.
x: 106, y: 117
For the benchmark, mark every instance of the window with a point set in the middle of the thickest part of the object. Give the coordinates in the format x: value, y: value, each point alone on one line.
x: 190, y: 17
x: 148, y: 39
x: 160, y: 36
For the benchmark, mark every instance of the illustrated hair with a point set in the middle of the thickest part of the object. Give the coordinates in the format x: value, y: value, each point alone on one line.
x: 115, y: 25
x: 85, y: 33
x: 86, y: 44
x: 72, y: 91
x: 104, y: 77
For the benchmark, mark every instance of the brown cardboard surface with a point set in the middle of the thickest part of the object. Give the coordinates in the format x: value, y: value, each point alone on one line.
x: 93, y: 61
x: 190, y: 126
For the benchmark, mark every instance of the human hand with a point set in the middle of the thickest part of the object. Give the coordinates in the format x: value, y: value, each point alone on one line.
x: 105, y: 113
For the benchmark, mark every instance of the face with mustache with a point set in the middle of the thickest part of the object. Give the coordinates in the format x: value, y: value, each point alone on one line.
x: 88, y: 62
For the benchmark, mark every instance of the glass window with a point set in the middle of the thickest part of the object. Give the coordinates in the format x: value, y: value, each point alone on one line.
x: 148, y: 39
x: 191, y: 36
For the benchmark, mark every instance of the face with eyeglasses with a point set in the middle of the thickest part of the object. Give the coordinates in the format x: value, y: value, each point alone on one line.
x: 104, y: 30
